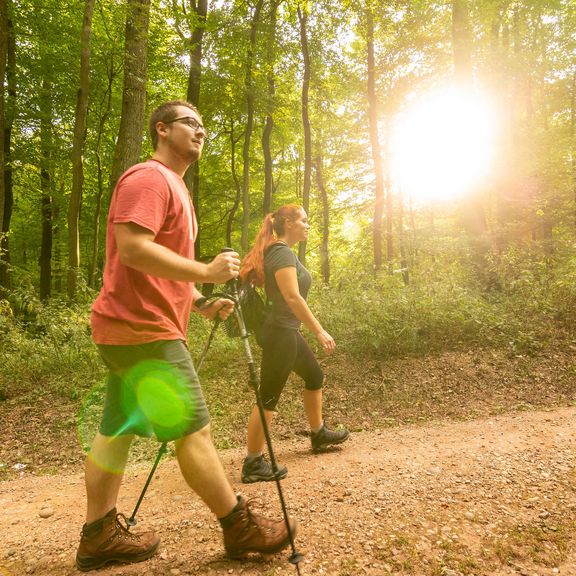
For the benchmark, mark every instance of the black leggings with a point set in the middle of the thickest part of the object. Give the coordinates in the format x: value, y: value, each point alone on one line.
x: 284, y: 350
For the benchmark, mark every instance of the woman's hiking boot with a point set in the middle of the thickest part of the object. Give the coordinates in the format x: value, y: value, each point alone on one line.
x: 245, y: 531
x: 258, y: 469
x: 109, y: 540
x: 325, y: 438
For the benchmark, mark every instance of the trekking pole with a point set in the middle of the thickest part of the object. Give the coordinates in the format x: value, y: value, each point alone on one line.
x: 163, y: 449
x: 295, y: 557
x: 200, y: 303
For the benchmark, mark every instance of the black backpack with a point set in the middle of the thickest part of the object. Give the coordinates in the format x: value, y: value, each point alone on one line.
x: 255, y: 308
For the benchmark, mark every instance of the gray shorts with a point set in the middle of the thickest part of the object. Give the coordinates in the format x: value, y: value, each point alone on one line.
x: 152, y: 388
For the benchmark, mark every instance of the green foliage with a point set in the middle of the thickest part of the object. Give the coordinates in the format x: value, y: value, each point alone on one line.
x: 45, y: 349
x: 413, y: 51
x: 443, y: 308
x: 563, y: 295
x: 48, y: 347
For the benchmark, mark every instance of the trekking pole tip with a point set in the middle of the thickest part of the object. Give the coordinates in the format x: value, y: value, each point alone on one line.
x: 295, y: 559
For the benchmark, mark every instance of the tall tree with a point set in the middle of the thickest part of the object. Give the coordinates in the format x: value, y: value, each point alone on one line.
x: 249, y: 85
x: 389, y: 201
x: 75, y: 202
x: 402, y: 242
x: 324, y: 254
x: 375, y: 143
x: 10, y: 114
x: 6, y: 48
x: 46, y: 186
x: 100, y: 187
x: 303, y: 20
x: 473, y: 214
x: 573, y: 142
x: 461, y: 41
x: 270, y: 105
x: 198, y: 26
x: 129, y: 144
x: 237, y: 185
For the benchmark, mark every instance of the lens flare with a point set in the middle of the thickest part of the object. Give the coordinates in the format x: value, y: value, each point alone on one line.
x: 444, y: 145
x: 154, y: 398
x: 161, y: 393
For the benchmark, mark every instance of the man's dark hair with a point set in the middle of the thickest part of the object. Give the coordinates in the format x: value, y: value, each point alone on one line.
x: 165, y: 113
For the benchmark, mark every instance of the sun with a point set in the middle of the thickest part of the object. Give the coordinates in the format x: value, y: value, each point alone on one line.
x: 443, y: 145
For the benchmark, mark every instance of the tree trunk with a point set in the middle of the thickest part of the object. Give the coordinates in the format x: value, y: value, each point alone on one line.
x: 249, y: 85
x: 192, y: 176
x: 573, y: 142
x: 59, y: 266
x: 129, y: 143
x: 375, y: 146
x: 389, y: 206
x: 500, y: 54
x: 269, y: 123
x: 237, y: 186
x: 75, y: 202
x: 7, y: 74
x: 324, y: 254
x: 402, y: 242
x: 303, y: 20
x: 473, y: 211
x: 46, y: 189
x: 93, y: 273
x: 461, y: 41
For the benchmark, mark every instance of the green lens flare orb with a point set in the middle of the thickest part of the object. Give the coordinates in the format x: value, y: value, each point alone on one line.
x: 160, y: 393
x: 160, y: 401
x: 153, y: 398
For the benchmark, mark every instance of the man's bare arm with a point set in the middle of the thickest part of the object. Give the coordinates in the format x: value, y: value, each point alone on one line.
x: 137, y: 249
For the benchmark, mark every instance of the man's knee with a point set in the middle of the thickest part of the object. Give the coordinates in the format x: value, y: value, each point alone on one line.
x: 202, y: 435
x: 110, y: 452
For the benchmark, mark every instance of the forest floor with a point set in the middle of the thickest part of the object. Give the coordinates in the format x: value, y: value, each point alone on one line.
x: 486, y: 486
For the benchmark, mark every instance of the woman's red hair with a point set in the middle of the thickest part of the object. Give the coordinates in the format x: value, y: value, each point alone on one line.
x: 272, y: 227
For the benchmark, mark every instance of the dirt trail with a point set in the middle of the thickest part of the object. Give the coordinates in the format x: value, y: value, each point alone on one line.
x: 486, y: 497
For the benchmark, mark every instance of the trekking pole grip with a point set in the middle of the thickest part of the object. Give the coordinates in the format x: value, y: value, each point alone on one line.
x: 233, y: 282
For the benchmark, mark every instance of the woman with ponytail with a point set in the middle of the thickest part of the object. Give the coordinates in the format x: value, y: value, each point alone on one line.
x: 272, y: 263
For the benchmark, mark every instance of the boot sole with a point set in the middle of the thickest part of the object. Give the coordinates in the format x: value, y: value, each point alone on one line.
x: 87, y: 563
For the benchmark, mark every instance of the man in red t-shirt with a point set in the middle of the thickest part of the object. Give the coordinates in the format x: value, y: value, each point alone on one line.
x: 139, y: 323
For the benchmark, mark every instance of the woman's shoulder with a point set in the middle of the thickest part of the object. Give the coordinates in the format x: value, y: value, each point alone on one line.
x: 277, y: 246
x: 280, y: 253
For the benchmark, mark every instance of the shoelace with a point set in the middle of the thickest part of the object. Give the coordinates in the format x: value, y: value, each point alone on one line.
x: 123, y: 531
x: 264, y: 524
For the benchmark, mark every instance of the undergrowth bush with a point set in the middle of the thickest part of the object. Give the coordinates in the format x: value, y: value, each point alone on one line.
x: 443, y: 309
x: 49, y: 348
x: 563, y: 296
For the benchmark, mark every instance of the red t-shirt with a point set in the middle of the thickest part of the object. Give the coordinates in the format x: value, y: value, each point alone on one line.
x: 134, y: 307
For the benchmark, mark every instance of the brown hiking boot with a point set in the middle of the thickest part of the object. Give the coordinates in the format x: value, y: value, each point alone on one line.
x: 246, y: 532
x: 108, y: 540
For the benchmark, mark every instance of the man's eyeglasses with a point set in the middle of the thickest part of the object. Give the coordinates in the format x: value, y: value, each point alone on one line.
x: 189, y: 121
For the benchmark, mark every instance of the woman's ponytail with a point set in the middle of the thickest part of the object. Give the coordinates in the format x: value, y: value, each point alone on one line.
x: 253, y: 265
x: 273, y: 226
